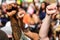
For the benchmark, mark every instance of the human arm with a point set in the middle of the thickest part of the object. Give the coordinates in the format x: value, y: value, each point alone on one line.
x: 43, y: 33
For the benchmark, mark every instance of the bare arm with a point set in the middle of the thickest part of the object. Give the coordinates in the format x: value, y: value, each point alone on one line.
x: 45, y: 27
x: 43, y: 33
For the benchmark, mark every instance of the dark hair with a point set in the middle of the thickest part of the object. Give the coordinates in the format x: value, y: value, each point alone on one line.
x: 13, y: 8
x: 44, y: 8
x: 3, y: 35
x: 0, y: 7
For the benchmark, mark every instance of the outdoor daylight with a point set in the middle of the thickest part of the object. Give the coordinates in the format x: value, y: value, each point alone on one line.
x: 29, y: 19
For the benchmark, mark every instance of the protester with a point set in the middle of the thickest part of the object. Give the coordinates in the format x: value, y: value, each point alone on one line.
x: 44, y: 32
x: 42, y: 11
x: 31, y: 21
x: 3, y: 18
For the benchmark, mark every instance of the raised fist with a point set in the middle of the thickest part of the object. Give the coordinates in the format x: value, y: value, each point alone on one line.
x: 51, y: 9
x: 21, y: 14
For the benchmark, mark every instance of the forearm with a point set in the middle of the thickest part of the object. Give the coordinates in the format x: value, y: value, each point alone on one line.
x: 45, y: 27
x: 50, y: 10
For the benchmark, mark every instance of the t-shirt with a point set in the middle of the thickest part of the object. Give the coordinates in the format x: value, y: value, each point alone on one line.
x: 42, y: 15
x: 27, y: 19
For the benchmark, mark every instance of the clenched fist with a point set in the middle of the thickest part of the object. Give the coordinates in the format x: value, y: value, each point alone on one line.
x: 51, y: 9
x: 21, y: 14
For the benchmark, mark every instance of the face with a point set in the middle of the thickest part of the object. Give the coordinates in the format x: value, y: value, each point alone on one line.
x: 43, y: 5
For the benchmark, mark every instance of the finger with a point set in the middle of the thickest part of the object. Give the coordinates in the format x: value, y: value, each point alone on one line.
x: 49, y: 9
x: 51, y: 6
x: 51, y: 12
x: 20, y: 16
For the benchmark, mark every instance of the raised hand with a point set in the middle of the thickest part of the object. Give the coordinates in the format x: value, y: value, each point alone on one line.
x: 51, y: 9
x: 21, y: 14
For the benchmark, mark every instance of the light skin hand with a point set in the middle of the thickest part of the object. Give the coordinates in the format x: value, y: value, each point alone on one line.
x: 43, y: 33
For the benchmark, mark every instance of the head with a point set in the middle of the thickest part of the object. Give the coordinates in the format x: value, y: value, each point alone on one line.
x: 43, y: 5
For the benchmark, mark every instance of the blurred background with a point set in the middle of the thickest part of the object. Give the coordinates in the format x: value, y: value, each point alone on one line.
x: 30, y: 7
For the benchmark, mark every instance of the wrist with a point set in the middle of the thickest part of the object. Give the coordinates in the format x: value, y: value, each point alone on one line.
x: 48, y: 16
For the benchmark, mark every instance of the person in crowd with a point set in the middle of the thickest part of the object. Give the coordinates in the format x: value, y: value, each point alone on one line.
x: 12, y: 14
x: 31, y: 26
x: 43, y: 33
x: 19, y: 17
x: 42, y: 11
x: 27, y: 19
x: 3, y: 18
x: 0, y: 17
x: 16, y: 21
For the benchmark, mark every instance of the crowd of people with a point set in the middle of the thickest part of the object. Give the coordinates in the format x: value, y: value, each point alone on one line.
x: 32, y: 21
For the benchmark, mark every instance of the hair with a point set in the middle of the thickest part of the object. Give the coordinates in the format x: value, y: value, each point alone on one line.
x: 44, y: 8
x: 3, y: 35
x: 13, y: 8
x: 0, y: 7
